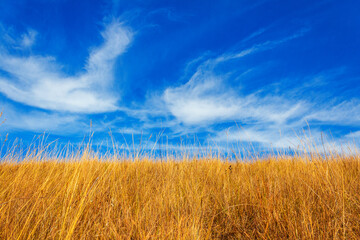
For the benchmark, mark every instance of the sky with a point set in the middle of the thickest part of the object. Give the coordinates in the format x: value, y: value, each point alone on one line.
x: 212, y: 72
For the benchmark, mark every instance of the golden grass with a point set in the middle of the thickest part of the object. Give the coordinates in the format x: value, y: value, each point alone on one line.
x: 276, y: 198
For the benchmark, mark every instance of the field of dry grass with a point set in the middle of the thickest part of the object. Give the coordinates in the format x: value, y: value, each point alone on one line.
x: 275, y: 198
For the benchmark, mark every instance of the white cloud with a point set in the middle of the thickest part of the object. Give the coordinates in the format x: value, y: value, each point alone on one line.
x: 130, y: 131
x: 255, y: 34
x: 100, y: 63
x: 28, y: 39
x: 353, y: 135
x: 270, y: 119
x: 276, y: 138
x: 343, y: 113
x: 38, y: 81
x: 260, y: 47
x: 206, y: 98
x: 22, y: 42
x: 39, y: 121
x: 269, y: 136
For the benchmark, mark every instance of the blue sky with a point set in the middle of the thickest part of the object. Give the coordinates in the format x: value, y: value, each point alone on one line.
x: 223, y: 71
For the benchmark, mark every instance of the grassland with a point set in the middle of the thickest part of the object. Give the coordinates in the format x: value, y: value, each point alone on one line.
x: 274, y: 198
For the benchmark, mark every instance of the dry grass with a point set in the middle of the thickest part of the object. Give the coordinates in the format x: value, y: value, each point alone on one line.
x: 276, y: 198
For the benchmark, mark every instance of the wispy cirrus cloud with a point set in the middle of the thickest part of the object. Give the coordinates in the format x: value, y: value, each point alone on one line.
x: 260, y: 47
x: 28, y: 39
x: 274, y: 138
x: 268, y: 136
x: 40, y: 121
x: 353, y: 135
x: 267, y: 117
x: 343, y: 113
x: 303, y: 131
x: 207, y: 98
x: 39, y: 81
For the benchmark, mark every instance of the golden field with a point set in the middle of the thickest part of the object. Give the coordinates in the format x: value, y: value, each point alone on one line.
x: 87, y: 198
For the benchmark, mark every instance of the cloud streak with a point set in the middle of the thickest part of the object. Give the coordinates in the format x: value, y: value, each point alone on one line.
x: 40, y: 121
x: 39, y: 81
x: 207, y: 98
x: 28, y: 39
x: 266, y: 116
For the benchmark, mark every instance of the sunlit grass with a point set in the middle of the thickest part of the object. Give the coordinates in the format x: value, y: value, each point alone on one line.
x: 275, y: 198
